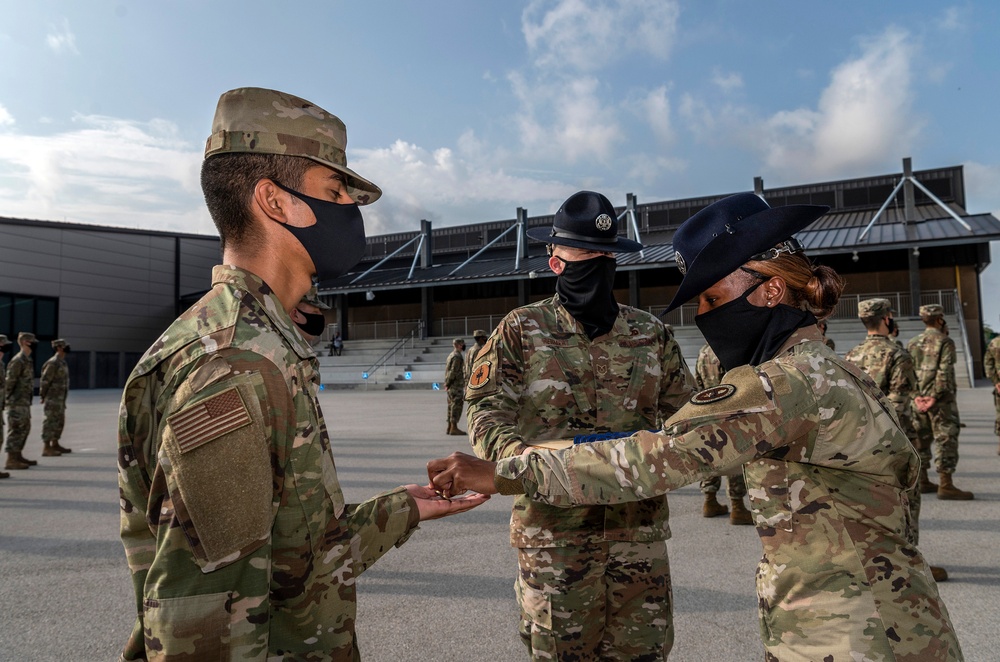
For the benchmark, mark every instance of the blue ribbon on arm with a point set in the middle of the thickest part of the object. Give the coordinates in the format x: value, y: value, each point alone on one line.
x: 603, y: 436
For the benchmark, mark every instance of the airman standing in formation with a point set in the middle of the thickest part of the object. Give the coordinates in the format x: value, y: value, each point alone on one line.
x: 991, y: 363
x: 936, y: 416
x: 53, y: 388
x: 480, y: 336
x: 593, y: 581
x: 454, y: 384
x: 19, y: 386
x: 708, y: 373
x: 3, y: 390
x: 891, y: 368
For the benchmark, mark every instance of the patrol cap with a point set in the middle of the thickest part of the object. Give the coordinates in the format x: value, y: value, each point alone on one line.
x: 312, y: 298
x: 480, y: 333
x: 261, y: 121
x: 728, y: 233
x: 458, y: 341
x: 3, y: 340
x: 586, y: 220
x: 932, y: 310
x: 26, y: 336
x: 59, y: 342
x: 874, y: 308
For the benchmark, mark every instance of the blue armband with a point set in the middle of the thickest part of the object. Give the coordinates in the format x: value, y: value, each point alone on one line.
x: 603, y: 436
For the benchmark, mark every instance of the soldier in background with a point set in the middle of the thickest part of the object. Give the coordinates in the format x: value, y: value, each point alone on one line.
x: 19, y: 385
x: 454, y: 384
x: 3, y: 390
x: 826, y: 339
x: 594, y: 581
x: 53, y: 388
x: 991, y: 363
x: 708, y: 372
x: 936, y: 417
x: 480, y: 336
x: 239, y: 540
x: 891, y: 368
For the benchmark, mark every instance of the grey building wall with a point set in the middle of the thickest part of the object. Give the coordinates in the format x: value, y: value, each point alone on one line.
x: 117, y: 288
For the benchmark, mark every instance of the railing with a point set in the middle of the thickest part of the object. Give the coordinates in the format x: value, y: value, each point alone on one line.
x: 965, y: 340
x: 373, y: 330
x: 390, y: 354
x: 464, y: 326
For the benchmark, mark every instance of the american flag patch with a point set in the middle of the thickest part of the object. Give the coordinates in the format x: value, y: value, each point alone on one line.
x: 209, y: 419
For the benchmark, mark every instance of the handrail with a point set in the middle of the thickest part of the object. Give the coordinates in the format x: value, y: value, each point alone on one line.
x: 391, y: 352
x: 963, y: 332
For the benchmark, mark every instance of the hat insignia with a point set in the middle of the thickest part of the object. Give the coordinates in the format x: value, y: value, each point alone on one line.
x: 603, y: 222
x: 681, y: 264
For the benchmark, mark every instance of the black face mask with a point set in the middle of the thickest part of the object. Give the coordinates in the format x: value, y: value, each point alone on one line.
x: 891, y: 324
x: 585, y: 288
x: 336, y: 241
x: 741, y: 333
x: 314, y: 324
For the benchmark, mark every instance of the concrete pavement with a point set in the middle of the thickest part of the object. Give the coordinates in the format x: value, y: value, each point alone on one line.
x: 446, y: 594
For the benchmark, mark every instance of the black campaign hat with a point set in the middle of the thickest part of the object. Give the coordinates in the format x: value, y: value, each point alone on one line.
x: 723, y: 236
x: 586, y: 220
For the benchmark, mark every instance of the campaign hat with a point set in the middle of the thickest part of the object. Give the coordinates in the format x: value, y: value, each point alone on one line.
x: 586, y: 220
x: 728, y: 233
x: 255, y: 120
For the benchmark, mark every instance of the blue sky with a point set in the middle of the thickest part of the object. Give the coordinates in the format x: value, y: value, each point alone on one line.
x: 463, y: 111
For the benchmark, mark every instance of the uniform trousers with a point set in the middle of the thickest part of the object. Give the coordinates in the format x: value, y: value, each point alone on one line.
x: 938, y: 428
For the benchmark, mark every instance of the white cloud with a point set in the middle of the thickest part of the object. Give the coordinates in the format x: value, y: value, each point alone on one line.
x: 62, y: 39
x: 6, y: 119
x: 863, y: 117
x: 952, y: 19
x: 107, y: 171
x: 656, y: 107
x: 727, y: 81
x: 587, y: 35
x: 982, y: 187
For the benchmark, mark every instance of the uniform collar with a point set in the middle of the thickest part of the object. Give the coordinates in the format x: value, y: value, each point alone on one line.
x: 245, y: 282
x: 801, y: 335
x: 569, y: 324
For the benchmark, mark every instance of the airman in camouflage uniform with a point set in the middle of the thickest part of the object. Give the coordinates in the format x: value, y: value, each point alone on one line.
x: 991, y: 363
x: 827, y: 467
x: 3, y: 372
x: 454, y: 383
x: 891, y: 368
x: 936, y: 408
x: 19, y: 386
x: 480, y: 336
x: 594, y: 582
x: 708, y: 372
x: 239, y: 540
x: 53, y: 388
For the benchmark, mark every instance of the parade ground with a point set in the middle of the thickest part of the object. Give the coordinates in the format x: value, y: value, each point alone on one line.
x: 447, y: 594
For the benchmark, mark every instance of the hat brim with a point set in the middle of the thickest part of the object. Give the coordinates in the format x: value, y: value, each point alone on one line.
x: 621, y: 245
x: 728, y: 252
x: 361, y: 190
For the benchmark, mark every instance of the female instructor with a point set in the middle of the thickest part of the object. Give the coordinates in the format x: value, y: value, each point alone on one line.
x: 826, y: 464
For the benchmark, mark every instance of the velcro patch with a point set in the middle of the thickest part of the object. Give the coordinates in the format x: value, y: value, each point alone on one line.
x: 481, y: 375
x: 713, y: 394
x: 209, y: 419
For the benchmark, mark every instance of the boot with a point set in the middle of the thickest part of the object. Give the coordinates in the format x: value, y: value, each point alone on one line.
x: 61, y: 449
x: 926, y: 486
x: 25, y: 460
x: 49, y: 450
x: 4, y: 474
x: 948, y: 492
x: 939, y: 573
x: 712, y: 507
x: 14, y: 463
x: 738, y: 513
x: 454, y: 431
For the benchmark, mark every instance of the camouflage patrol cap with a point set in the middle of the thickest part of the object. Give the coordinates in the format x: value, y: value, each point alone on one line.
x: 261, y: 121
x: 480, y: 333
x: 3, y: 340
x: 59, y: 342
x: 932, y: 310
x: 458, y: 341
x: 874, y: 308
x: 26, y: 336
x: 312, y: 298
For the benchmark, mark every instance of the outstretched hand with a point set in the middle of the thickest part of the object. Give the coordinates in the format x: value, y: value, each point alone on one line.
x: 431, y: 505
x: 460, y: 472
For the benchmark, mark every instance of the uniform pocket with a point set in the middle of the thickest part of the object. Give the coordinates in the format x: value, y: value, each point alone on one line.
x: 195, y: 627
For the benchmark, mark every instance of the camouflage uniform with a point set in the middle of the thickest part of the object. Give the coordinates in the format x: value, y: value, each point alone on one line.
x: 891, y: 368
x: 594, y: 581
x: 454, y: 382
x: 828, y: 472
x: 933, y: 355
x: 3, y: 382
x: 991, y: 363
x: 234, y: 524
x: 473, y: 352
x: 19, y: 387
x: 708, y: 372
x: 52, y: 390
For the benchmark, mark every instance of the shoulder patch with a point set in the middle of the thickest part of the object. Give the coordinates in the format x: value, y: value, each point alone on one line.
x: 481, y: 375
x: 713, y: 394
x: 483, y: 378
x: 209, y: 419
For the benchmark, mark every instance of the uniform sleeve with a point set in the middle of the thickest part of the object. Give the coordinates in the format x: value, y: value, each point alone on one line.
x: 902, y: 378
x: 13, y: 374
x: 48, y: 372
x: 990, y: 362
x: 760, y: 413
x: 677, y: 384
x: 494, y: 392
x: 198, y: 499
x: 379, y: 524
x: 944, y: 381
